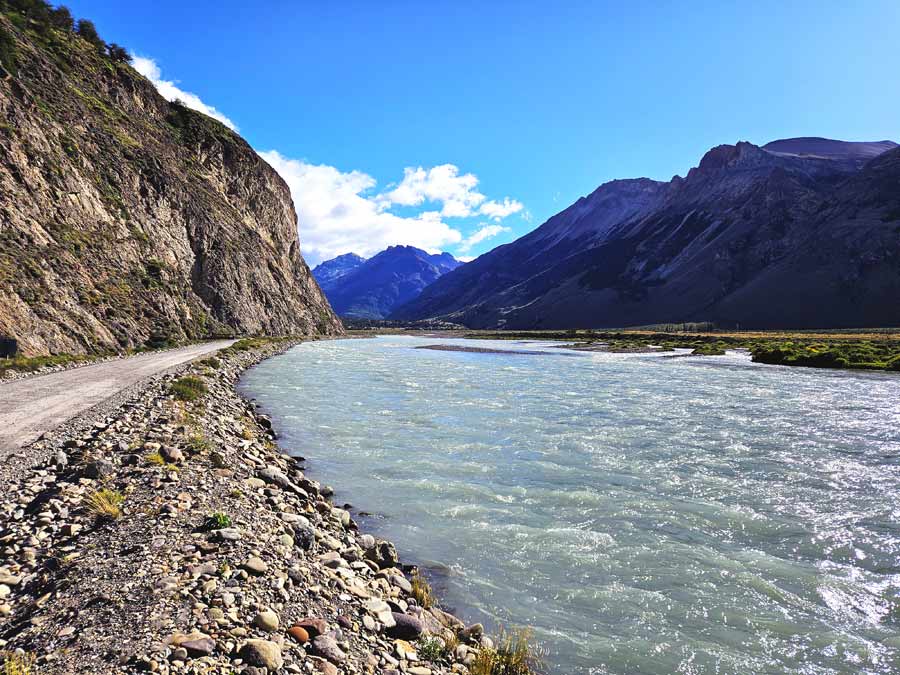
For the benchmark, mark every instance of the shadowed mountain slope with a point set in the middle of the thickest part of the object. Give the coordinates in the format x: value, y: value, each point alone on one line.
x: 799, y: 233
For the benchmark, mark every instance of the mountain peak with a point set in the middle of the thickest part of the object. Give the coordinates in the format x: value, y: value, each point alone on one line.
x: 826, y: 148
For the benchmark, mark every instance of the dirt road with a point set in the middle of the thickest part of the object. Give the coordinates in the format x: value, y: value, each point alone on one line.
x: 34, y: 405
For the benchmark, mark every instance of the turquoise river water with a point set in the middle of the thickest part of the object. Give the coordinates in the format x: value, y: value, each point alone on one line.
x: 645, y: 514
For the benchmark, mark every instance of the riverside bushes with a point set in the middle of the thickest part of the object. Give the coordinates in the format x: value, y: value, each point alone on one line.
x: 863, y: 355
x: 188, y: 388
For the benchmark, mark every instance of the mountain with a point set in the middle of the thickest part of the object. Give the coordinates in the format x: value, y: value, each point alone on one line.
x: 373, y: 288
x: 126, y: 219
x: 799, y: 233
x: 328, y: 272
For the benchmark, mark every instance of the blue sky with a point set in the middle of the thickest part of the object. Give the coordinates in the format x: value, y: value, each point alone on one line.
x: 539, y: 103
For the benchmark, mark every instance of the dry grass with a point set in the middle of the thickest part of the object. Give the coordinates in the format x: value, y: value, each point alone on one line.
x: 105, y: 504
x: 513, y: 654
x: 18, y: 664
x: 421, y: 590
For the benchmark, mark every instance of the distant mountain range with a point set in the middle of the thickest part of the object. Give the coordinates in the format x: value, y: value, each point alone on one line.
x: 373, y: 288
x: 801, y: 232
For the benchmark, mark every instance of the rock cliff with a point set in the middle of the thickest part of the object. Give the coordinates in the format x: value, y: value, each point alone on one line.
x: 126, y: 219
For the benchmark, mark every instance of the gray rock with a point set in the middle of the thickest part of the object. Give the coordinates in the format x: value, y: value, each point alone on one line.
x: 327, y: 648
x: 383, y: 554
x: 226, y: 534
x: 266, y: 620
x: 262, y: 653
x: 255, y: 566
x: 273, y: 476
x: 407, y: 627
x: 100, y: 468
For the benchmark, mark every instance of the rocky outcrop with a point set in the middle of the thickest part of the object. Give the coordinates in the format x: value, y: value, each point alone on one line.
x: 125, y: 219
x: 800, y: 233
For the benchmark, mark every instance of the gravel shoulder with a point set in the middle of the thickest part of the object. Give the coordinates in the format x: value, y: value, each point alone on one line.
x: 33, y: 406
x: 176, y: 537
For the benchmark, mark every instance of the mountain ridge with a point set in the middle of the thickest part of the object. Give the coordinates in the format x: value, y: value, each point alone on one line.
x: 638, y: 251
x: 373, y: 287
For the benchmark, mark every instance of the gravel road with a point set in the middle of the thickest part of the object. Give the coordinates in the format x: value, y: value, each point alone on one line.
x: 35, y: 405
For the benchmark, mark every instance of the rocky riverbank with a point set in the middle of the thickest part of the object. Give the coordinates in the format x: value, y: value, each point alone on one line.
x: 175, y: 537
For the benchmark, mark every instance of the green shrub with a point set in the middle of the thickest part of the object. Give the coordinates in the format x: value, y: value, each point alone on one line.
x: 217, y: 521
x: 188, y: 388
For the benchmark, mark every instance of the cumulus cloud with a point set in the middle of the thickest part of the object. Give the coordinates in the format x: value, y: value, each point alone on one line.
x: 485, y: 232
x: 500, y: 210
x: 171, y: 92
x: 336, y: 215
x: 440, y: 184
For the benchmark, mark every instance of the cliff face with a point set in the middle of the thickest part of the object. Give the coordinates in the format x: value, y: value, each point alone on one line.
x: 800, y: 233
x: 126, y: 219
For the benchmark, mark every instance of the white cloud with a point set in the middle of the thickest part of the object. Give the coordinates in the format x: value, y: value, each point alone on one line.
x: 465, y: 258
x: 336, y: 216
x: 442, y: 184
x: 170, y: 91
x: 500, y: 210
x: 485, y: 232
x: 339, y: 212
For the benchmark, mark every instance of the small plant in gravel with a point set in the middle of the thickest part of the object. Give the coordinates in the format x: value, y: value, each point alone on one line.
x: 431, y: 648
x: 512, y: 655
x: 105, y: 504
x: 197, y: 443
x: 188, y: 388
x: 421, y: 590
x: 217, y: 521
x: 154, y: 458
x: 15, y: 663
x: 211, y: 362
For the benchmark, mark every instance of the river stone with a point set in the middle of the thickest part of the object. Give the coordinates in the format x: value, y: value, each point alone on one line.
x: 262, y: 653
x: 173, y: 455
x: 313, y: 627
x: 327, y: 648
x: 407, y: 627
x: 98, y: 469
x: 201, y: 647
x: 299, y: 633
x: 226, y: 534
x: 266, y: 620
x: 255, y: 566
x: 383, y: 554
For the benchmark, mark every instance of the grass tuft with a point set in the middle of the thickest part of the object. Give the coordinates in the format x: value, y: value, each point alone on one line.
x: 512, y: 655
x: 105, y: 504
x: 154, y: 458
x: 421, y: 590
x: 18, y: 663
x: 188, y: 388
